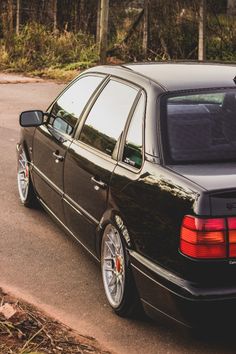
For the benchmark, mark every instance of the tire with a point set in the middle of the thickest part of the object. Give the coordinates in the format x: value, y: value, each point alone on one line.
x: 119, y: 285
x: 25, y: 188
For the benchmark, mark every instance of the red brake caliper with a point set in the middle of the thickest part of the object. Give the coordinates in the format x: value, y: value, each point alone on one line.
x: 26, y: 171
x: 118, y: 265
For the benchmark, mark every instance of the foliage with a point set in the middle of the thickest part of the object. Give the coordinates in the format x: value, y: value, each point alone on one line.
x: 222, y: 38
x: 36, y: 48
x: 172, y: 33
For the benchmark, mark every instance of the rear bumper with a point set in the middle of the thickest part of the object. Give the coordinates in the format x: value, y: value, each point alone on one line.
x: 164, y: 294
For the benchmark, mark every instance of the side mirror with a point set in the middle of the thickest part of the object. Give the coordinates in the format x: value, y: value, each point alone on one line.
x: 31, y: 118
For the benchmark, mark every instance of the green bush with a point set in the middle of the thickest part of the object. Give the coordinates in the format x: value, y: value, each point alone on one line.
x: 221, y: 44
x: 37, y: 48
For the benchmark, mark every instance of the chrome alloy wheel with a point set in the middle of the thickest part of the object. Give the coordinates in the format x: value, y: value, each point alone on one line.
x: 113, y: 266
x: 23, y: 176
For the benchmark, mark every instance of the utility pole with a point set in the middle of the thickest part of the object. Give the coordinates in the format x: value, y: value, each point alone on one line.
x: 202, y: 31
x: 103, y: 30
x: 17, y: 17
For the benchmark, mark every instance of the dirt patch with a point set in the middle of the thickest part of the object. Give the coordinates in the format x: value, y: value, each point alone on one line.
x: 26, y: 330
x: 7, y: 78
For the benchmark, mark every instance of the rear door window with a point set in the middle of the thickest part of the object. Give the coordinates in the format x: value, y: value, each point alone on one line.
x: 107, y: 118
x: 132, y: 154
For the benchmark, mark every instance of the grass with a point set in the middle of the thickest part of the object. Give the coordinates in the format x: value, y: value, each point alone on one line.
x: 60, y: 75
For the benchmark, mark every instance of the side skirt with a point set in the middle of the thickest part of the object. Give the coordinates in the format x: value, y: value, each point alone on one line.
x: 67, y: 229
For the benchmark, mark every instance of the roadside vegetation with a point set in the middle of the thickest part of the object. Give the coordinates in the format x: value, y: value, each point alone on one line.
x: 58, y: 39
x: 38, y: 51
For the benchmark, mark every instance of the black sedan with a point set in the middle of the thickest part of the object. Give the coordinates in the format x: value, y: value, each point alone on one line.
x: 138, y: 163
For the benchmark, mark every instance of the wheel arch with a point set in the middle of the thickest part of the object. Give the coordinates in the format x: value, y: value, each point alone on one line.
x: 112, y: 216
x: 23, y: 145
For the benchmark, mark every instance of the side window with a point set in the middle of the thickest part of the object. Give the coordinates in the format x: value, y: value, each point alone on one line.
x: 132, y: 154
x: 68, y: 108
x: 108, y: 116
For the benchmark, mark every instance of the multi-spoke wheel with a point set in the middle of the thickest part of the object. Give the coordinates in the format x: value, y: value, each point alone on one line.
x: 116, y: 273
x: 25, y: 188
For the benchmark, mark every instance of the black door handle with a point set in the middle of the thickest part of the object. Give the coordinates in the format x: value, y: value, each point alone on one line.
x: 98, y: 183
x: 58, y: 157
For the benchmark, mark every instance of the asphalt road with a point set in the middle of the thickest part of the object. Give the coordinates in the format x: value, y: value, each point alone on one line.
x: 39, y: 263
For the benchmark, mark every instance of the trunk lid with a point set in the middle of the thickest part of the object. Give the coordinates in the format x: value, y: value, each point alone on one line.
x: 219, y: 181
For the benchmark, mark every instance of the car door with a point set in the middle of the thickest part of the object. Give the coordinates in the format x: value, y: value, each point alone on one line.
x: 52, y: 140
x: 91, y: 159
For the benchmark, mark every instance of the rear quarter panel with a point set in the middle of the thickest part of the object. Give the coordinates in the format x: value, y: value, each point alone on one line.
x: 152, y: 203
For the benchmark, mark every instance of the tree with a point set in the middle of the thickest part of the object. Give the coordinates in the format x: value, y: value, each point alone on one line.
x: 17, y: 17
x: 10, y: 15
x: 98, y: 29
x: 202, y: 31
x: 103, y: 30
x: 231, y: 7
x: 145, y: 27
x: 54, y: 15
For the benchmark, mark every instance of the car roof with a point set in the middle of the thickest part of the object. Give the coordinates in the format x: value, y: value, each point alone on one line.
x: 183, y: 76
x: 178, y: 76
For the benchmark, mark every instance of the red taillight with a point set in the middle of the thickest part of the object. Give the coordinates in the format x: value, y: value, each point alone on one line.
x: 232, y: 236
x: 203, y: 238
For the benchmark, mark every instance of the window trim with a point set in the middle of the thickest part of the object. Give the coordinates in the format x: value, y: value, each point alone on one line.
x: 126, y: 130
x: 94, y: 151
x: 162, y: 122
x: 80, y: 77
x: 116, y: 149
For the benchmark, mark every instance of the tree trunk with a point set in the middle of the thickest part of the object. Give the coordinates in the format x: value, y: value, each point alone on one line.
x: 18, y: 17
x: 133, y: 27
x: 145, y: 27
x: 231, y: 7
x: 54, y: 16
x: 10, y: 16
x: 98, y: 30
x: 75, y: 17
x: 202, y: 31
x: 103, y: 30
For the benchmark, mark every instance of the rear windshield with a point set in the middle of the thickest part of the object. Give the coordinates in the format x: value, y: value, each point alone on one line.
x: 201, y: 126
